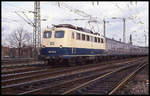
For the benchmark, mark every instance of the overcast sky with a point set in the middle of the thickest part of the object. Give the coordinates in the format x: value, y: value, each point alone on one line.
x: 137, y: 26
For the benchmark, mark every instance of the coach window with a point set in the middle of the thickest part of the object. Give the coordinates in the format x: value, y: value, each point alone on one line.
x: 102, y: 41
x: 98, y: 40
x: 78, y: 36
x: 47, y: 34
x: 59, y: 34
x: 88, y: 38
x: 72, y: 35
x: 83, y: 36
x: 95, y: 39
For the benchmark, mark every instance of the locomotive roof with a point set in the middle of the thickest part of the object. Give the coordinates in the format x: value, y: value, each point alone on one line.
x: 86, y: 30
x: 74, y: 27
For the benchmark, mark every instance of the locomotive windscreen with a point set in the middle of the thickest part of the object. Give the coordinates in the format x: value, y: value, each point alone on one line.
x: 47, y: 34
x: 59, y: 34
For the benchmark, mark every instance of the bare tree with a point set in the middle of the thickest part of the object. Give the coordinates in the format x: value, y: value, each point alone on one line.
x: 20, y: 38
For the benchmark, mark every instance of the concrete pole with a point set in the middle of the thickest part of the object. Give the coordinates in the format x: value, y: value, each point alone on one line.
x: 104, y: 28
x: 124, y: 29
x: 145, y: 40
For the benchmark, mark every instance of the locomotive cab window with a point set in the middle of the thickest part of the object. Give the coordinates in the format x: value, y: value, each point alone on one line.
x: 47, y: 34
x: 59, y: 34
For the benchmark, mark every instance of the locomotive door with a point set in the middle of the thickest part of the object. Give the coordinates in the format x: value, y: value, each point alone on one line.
x: 92, y: 41
x: 73, y: 39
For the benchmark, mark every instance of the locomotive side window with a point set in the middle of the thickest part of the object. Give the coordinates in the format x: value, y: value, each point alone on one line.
x: 47, y: 34
x: 78, y: 36
x: 72, y: 35
x: 102, y: 41
x: 59, y: 34
x: 83, y: 36
x: 98, y: 40
x: 95, y: 39
x: 92, y: 39
x: 88, y: 38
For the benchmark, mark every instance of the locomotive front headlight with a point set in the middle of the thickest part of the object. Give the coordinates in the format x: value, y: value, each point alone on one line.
x: 61, y: 46
x: 43, y: 46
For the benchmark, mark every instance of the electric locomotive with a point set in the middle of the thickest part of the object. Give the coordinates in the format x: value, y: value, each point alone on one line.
x: 68, y: 43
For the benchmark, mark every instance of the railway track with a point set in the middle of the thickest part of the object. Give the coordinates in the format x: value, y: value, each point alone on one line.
x: 22, y: 64
x: 22, y: 69
x: 15, y: 63
x: 29, y: 74
x: 6, y: 78
x: 16, y: 60
x: 7, y: 71
x: 26, y: 87
x: 19, y: 58
x: 64, y: 87
x: 106, y: 84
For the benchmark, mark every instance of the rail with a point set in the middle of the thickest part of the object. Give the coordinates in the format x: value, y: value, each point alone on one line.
x: 69, y: 77
x: 102, y: 86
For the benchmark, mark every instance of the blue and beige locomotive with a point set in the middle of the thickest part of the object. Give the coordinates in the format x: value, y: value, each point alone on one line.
x: 68, y: 43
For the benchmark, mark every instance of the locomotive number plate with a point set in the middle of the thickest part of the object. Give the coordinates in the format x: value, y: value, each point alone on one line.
x: 51, y: 43
x: 51, y: 51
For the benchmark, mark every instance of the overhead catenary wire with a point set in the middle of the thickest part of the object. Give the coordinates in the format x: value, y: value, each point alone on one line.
x: 88, y: 17
x: 131, y: 17
x: 9, y: 20
x: 30, y: 23
x: 19, y: 8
